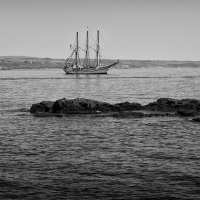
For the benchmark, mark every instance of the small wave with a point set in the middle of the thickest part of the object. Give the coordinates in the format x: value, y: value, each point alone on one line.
x: 191, y: 77
x: 25, y: 110
x: 115, y: 77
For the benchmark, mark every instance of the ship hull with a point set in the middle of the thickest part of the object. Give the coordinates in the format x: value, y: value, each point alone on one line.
x: 101, y: 70
x: 87, y: 71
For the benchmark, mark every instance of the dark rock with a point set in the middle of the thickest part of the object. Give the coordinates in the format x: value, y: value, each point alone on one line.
x: 186, y: 112
x: 59, y: 115
x: 151, y: 106
x: 166, y: 104
x: 162, y: 107
x: 196, y: 119
x: 173, y: 105
x: 128, y: 114
x: 166, y: 101
x: 198, y: 108
x: 189, y: 101
x: 186, y: 106
x: 126, y: 106
x: 81, y: 105
x: 68, y: 106
x: 159, y: 115
x: 44, y: 106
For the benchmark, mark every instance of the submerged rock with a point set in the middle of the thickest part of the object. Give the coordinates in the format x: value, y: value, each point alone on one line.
x: 196, y: 119
x: 42, y: 114
x: 128, y: 114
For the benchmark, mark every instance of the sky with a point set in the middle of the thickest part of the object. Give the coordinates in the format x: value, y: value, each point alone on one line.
x: 133, y: 29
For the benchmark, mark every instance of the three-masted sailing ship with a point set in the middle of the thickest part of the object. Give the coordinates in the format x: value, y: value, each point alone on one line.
x: 75, y: 65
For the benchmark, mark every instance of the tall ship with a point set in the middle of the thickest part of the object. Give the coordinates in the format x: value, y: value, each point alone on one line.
x: 86, y: 65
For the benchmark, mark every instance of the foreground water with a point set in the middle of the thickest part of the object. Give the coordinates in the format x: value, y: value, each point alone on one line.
x: 98, y: 158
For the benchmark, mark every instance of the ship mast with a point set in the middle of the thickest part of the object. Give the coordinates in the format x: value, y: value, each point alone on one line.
x: 76, y: 53
x: 98, y: 49
x: 87, y: 59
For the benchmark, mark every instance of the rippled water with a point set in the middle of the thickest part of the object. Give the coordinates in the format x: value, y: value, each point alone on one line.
x: 98, y: 158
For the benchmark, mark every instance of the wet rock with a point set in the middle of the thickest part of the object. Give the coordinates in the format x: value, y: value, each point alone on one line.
x: 128, y: 115
x: 81, y: 105
x: 189, y: 101
x: 173, y: 105
x: 59, y: 115
x: 141, y: 114
x: 153, y: 106
x: 166, y: 101
x: 167, y: 104
x: 44, y: 106
x: 162, y: 104
x: 196, y: 119
x: 126, y: 106
x: 186, y: 112
x: 186, y: 106
x: 158, y: 114
x: 161, y: 107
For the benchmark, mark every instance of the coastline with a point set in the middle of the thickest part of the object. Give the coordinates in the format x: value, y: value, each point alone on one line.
x: 22, y: 62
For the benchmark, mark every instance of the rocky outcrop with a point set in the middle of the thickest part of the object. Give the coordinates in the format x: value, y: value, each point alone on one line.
x: 186, y: 112
x: 81, y: 105
x: 44, y: 106
x: 126, y: 106
x: 182, y: 106
x: 161, y: 107
x: 74, y: 106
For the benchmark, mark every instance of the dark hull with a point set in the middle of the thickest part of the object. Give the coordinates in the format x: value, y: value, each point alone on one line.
x: 86, y: 71
x: 102, y: 70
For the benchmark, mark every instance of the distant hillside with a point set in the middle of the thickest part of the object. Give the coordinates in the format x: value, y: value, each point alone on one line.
x: 23, y: 62
x: 157, y: 63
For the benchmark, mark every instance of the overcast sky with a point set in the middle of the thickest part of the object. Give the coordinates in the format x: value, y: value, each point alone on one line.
x: 134, y: 29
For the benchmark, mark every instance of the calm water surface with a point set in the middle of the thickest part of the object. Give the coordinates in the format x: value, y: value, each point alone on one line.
x: 98, y: 158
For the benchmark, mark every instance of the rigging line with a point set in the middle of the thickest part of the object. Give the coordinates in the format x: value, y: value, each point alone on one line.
x: 74, y: 47
x: 93, y: 39
x: 69, y: 51
x: 105, y: 58
x: 108, y: 46
x: 95, y: 42
x: 104, y: 52
x: 109, y: 51
x: 81, y: 38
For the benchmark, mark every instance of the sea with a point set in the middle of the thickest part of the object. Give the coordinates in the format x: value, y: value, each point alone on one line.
x: 84, y: 157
